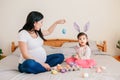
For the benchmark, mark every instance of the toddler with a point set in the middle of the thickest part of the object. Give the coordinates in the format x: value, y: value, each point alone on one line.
x: 83, y: 53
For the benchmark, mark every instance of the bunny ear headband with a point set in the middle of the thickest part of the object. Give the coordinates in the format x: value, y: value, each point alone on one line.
x: 77, y: 27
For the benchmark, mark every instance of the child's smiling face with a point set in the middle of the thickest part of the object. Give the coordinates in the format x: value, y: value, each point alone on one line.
x: 82, y: 40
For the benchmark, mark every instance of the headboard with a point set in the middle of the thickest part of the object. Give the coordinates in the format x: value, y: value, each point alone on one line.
x: 59, y: 42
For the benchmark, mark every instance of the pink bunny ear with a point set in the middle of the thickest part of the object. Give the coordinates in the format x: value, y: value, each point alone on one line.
x: 76, y: 26
x: 86, y: 27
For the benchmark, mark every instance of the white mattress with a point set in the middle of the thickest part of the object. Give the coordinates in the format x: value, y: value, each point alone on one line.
x: 9, y: 71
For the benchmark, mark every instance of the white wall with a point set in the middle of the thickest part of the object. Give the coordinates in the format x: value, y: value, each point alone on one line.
x: 103, y: 15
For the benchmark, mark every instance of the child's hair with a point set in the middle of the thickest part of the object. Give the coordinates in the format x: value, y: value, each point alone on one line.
x: 81, y: 34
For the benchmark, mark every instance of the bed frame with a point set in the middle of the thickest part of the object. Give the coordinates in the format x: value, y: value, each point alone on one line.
x: 59, y: 42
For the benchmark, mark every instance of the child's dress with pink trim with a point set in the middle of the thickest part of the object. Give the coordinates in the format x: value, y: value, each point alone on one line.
x: 84, y: 60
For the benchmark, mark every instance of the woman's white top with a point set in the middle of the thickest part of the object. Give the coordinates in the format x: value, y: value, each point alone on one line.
x: 84, y: 52
x: 34, y: 46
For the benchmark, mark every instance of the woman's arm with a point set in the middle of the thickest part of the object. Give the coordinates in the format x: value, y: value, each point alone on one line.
x: 52, y: 27
x: 23, y: 49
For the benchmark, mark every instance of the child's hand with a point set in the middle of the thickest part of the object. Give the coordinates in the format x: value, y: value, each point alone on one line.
x: 61, y: 21
x: 76, y: 56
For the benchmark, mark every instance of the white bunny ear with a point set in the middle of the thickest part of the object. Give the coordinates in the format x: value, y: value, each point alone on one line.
x: 76, y: 26
x: 86, y: 27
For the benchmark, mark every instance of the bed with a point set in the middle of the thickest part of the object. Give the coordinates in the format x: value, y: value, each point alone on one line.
x: 9, y: 71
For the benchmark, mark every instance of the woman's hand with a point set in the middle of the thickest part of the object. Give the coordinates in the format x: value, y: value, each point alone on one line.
x: 52, y: 27
x: 61, y: 21
x: 46, y: 66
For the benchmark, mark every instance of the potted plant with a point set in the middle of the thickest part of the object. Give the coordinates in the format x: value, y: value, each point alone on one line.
x: 1, y: 51
x: 118, y: 44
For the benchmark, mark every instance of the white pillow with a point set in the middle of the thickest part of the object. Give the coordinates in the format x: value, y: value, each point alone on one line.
x: 51, y: 50
x: 69, y: 44
x: 93, y: 47
x: 66, y: 51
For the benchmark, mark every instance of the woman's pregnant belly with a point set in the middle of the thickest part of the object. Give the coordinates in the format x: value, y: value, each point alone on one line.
x: 38, y: 53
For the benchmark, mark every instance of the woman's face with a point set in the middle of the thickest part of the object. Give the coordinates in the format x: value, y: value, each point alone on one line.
x: 38, y: 25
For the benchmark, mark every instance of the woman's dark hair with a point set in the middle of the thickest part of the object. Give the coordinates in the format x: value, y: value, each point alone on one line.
x: 81, y: 34
x: 33, y: 17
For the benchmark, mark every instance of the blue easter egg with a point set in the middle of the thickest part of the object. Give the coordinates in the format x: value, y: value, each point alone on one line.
x: 64, y: 31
